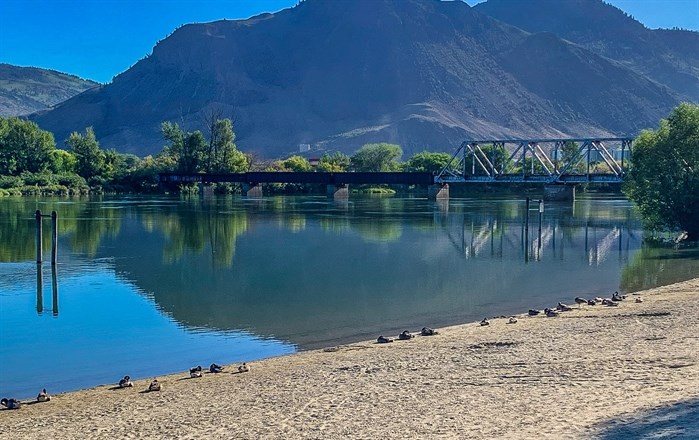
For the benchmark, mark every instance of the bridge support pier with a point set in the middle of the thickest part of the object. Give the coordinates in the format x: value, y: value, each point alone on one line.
x: 438, y: 191
x: 251, y: 189
x: 340, y: 191
x: 559, y: 192
x: 205, y: 190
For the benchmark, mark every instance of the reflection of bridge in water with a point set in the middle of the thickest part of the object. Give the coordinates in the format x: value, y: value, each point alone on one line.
x: 508, y: 239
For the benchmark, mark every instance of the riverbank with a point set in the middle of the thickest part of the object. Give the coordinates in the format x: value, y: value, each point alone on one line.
x: 594, y: 372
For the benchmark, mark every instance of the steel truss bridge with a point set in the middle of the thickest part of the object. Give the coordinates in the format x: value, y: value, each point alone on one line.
x: 547, y: 161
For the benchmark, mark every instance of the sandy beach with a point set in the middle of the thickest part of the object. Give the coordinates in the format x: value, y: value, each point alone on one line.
x: 630, y: 371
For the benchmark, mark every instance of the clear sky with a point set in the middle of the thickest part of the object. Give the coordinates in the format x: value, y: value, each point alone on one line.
x: 98, y: 39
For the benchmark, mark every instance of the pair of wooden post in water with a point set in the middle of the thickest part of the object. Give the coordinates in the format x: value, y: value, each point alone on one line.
x: 39, y: 260
x: 39, y: 236
x: 526, y: 227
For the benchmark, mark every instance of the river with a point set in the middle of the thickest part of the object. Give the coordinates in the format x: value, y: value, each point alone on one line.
x: 155, y: 285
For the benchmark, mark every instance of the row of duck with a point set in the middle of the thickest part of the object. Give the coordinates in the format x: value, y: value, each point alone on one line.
x: 126, y: 382
x: 613, y: 301
x: 406, y: 335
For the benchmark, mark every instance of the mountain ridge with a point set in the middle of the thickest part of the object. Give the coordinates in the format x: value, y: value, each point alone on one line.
x: 668, y: 56
x: 25, y: 90
x: 425, y: 74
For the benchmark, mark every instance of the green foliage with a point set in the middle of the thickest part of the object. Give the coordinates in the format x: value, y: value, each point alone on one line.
x: 496, y: 155
x: 192, y: 154
x: 9, y: 182
x: 663, y: 180
x: 90, y: 159
x: 377, y: 157
x: 296, y: 164
x: 336, y: 162
x: 142, y: 175
x: 24, y: 147
x: 63, y: 161
x: 222, y: 156
x: 427, y: 161
x: 566, y: 154
x: 47, y: 183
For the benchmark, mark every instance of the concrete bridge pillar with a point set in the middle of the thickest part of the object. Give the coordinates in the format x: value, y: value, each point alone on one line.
x: 339, y: 191
x: 251, y: 189
x: 559, y: 192
x: 438, y: 191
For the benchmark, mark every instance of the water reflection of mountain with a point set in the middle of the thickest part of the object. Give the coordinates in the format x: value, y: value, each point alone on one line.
x: 314, y: 284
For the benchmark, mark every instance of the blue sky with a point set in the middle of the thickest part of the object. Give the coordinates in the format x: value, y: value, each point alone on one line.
x: 98, y: 39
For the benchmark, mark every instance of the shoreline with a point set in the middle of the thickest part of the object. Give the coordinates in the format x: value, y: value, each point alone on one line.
x: 563, y: 377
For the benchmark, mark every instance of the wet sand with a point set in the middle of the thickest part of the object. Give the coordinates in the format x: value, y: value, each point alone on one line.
x: 594, y: 372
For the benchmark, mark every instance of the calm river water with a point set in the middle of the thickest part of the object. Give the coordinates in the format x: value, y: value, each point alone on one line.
x: 147, y: 286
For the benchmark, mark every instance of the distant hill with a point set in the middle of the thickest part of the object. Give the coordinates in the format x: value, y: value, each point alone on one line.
x: 25, y: 90
x: 425, y: 74
x: 668, y: 56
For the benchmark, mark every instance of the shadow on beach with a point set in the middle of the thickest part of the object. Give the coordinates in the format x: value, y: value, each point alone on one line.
x: 677, y: 421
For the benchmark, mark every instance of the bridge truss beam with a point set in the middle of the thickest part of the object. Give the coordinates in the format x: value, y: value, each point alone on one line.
x: 550, y: 161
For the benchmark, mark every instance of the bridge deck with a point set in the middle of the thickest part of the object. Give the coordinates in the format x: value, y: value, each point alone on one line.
x: 359, y: 178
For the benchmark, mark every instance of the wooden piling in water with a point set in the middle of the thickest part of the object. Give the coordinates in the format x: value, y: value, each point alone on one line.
x: 54, y: 289
x: 39, y: 233
x: 54, y: 237
x: 39, y: 290
x: 526, y: 231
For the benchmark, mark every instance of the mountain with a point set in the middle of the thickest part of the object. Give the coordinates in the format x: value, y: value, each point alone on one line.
x: 425, y: 74
x: 667, y: 56
x: 25, y: 90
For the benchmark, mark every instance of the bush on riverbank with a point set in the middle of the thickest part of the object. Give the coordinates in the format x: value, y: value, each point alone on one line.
x: 45, y: 184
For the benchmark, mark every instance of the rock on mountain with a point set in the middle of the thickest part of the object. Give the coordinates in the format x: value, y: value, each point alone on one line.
x: 425, y: 74
x: 25, y: 90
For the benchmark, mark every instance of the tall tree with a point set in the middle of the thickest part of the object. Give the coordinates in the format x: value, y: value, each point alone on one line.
x: 188, y: 150
x: 663, y: 180
x: 224, y: 156
x: 377, y: 157
x: 24, y: 147
x: 192, y: 155
x: 88, y: 155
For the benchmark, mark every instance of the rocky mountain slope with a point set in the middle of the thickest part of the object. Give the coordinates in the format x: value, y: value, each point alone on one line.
x: 425, y: 74
x: 25, y: 90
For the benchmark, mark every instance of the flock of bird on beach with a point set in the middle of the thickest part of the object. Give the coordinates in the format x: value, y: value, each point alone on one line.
x: 549, y: 312
x: 195, y: 372
x: 126, y: 382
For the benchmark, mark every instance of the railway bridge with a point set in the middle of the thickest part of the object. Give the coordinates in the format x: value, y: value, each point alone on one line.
x: 557, y: 164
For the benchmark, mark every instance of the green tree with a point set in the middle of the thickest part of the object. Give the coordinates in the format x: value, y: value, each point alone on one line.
x: 24, y: 147
x: 296, y: 164
x: 193, y: 147
x: 377, y: 157
x: 565, y: 155
x: 224, y: 157
x: 188, y: 150
x: 336, y: 162
x: 88, y: 155
x: 498, y: 156
x: 663, y: 180
x: 62, y: 161
x: 427, y: 161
